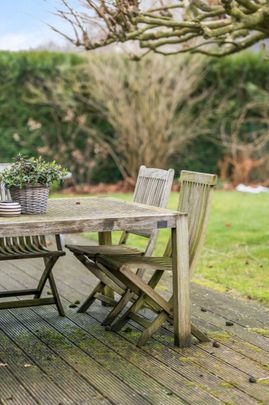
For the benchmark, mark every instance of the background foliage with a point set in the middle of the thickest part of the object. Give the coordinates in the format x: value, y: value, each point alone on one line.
x: 54, y: 129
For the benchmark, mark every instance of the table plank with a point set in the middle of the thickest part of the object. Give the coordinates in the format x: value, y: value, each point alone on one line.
x: 94, y: 214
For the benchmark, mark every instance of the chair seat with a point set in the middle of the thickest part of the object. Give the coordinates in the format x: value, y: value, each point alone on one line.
x: 13, y: 253
x: 92, y: 251
x: 116, y: 262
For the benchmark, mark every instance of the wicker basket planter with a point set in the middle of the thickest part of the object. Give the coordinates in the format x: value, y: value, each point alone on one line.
x: 33, y: 199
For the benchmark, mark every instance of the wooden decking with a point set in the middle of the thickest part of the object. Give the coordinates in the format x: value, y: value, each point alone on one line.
x: 46, y: 359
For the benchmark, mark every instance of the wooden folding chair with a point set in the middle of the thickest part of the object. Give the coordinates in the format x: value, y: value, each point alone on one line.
x: 153, y: 187
x: 195, y: 195
x: 30, y: 247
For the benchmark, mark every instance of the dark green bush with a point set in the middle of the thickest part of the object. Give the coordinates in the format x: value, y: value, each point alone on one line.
x: 35, y: 127
x: 17, y: 71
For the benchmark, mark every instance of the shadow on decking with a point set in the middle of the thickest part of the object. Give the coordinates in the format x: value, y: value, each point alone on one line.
x: 46, y: 359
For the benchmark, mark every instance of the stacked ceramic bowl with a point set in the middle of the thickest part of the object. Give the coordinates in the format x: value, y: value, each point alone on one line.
x: 9, y: 209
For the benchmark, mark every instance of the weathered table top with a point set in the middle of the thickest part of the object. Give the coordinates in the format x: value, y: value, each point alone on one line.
x: 97, y: 214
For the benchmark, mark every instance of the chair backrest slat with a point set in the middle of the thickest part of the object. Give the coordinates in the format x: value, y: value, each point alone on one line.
x: 194, y: 198
x: 153, y: 187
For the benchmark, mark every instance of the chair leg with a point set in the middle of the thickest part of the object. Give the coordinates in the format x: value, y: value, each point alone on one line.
x: 137, y: 305
x: 47, y: 275
x: 155, y: 278
x: 108, y: 292
x: 149, y: 331
x: 134, y: 308
x: 200, y: 335
x: 89, y: 301
x: 126, y: 297
x: 108, y: 285
x: 56, y: 295
x: 155, y: 325
x: 49, y: 263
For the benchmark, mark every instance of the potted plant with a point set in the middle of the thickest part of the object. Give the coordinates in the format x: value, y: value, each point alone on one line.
x: 29, y: 179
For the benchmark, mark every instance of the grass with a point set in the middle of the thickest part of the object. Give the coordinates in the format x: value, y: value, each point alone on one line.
x: 236, y: 253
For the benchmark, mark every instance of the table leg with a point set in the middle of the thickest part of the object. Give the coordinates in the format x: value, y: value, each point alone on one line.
x: 181, y: 283
x: 105, y: 238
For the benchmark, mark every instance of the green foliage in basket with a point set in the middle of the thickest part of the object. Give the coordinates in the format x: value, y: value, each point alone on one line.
x: 32, y: 172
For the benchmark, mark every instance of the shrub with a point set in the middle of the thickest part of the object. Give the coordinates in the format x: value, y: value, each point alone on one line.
x: 35, y: 126
x: 32, y: 172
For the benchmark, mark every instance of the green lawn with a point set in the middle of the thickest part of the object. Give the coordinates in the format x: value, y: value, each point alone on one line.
x: 236, y: 253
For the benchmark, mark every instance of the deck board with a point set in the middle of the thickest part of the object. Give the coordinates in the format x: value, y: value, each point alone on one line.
x: 65, y: 377
x: 74, y: 360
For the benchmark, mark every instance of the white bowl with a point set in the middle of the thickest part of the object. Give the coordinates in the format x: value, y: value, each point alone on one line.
x: 9, y: 209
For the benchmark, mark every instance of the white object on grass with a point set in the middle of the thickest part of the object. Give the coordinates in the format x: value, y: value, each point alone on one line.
x: 254, y: 190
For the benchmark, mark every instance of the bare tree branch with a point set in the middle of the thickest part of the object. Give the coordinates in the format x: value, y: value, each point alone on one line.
x: 211, y: 27
x: 244, y: 137
x: 148, y: 104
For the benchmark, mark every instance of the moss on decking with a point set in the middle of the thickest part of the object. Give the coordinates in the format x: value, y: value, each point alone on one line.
x: 251, y: 346
x: 220, y: 336
x: 226, y: 384
x: 260, y: 331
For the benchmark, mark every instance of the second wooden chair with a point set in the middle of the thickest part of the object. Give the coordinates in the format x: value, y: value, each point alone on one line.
x: 195, y: 196
x: 153, y: 187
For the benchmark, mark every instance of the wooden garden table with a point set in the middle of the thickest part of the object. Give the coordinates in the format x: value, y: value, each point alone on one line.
x: 104, y: 215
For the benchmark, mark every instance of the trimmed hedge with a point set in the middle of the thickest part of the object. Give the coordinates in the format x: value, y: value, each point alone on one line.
x: 18, y: 69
